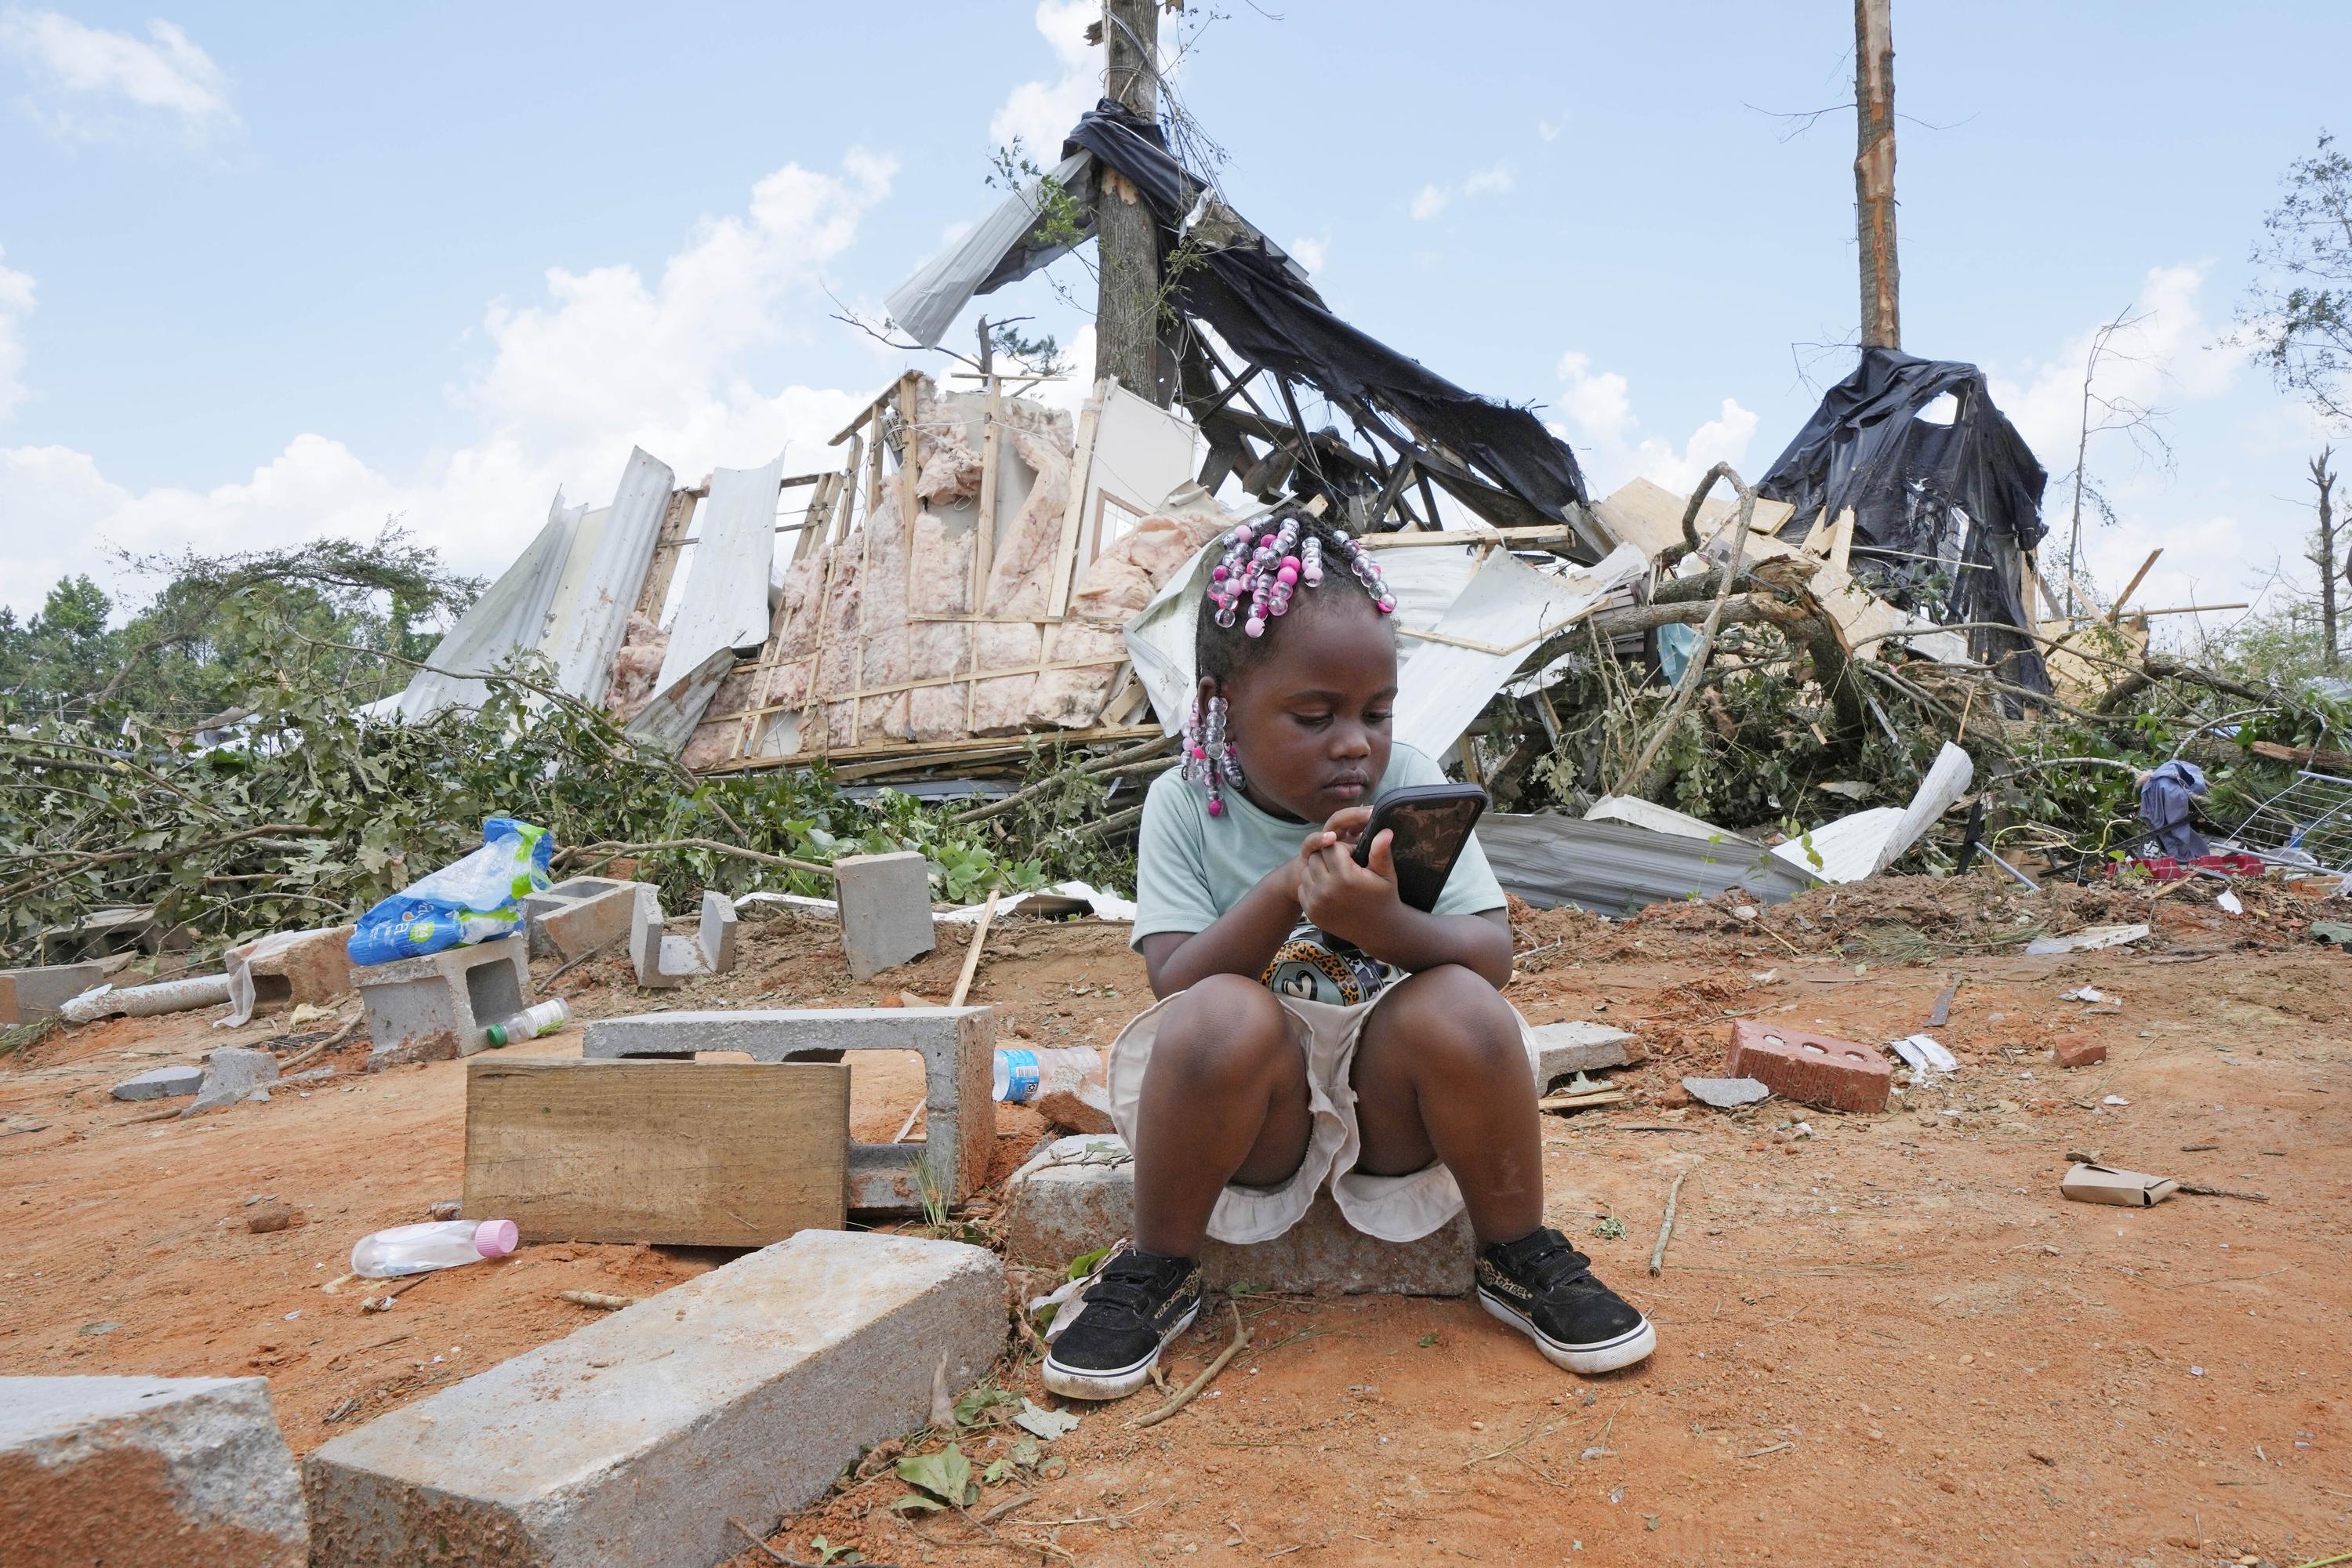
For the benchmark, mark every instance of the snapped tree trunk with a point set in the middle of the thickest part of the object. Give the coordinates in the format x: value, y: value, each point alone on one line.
x: 1128, y: 305
x: 2323, y: 555
x: 1873, y: 171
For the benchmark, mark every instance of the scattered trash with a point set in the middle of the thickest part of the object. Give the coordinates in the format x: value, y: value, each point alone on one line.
x: 1925, y: 1055
x: 1726, y: 1093
x: 2088, y: 1183
x: 1022, y: 1075
x: 2115, y: 1099
x: 545, y: 1019
x: 146, y: 1001
x: 2082, y: 994
x: 2090, y: 938
x: 469, y: 901
x: 437, y: 1243
x: 2228, y: 901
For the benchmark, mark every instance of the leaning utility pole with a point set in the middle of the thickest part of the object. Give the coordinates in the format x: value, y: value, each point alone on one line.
x: 1127, y: 304
x: 1873, y: 171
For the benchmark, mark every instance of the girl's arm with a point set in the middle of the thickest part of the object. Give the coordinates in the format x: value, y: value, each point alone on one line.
x: 1243, y: 939
x: 1360, y: 903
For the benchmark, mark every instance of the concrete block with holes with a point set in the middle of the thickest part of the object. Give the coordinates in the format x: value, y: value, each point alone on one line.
x: 643, y: 1437
x: 1079, y: 1194
x: 27, y: 996
x: 578, y: 916
x: 147, y: 1469
x: 438, y: 1007
x: 312, y: 967
x: 958, y: 1047
x: 665, y: 962
x: 1813, y: 1069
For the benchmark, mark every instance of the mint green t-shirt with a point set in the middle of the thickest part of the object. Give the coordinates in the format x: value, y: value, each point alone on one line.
x: 1191, y: 867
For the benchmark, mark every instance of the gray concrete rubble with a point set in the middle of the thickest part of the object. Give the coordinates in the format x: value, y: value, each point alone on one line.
x: 233, y: 1073
x: 1726, y: 1093
x: 886, y: 910
x: 579, y: 916
x: 147, y: 1469
x: 639, y: 1438
x: 161, y: 1083
x: 957, y: 1045
x: 439, y: 1006
x: 1562, y: 1049
x: 27, y: 996
x: 664, y: 961
x: 1079, y: 1194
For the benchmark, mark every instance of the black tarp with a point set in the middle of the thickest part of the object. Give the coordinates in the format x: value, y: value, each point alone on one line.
x: 1272, y: 316
x: 1940, y: 510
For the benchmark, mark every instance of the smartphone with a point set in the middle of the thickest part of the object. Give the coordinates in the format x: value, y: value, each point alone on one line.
x: 1431, y: 824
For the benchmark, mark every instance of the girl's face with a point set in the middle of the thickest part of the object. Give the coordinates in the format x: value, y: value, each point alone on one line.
x: 1311, y: 717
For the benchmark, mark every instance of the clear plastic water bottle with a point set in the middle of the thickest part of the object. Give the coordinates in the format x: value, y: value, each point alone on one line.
x: 437, y: 1243
x: 531, y: 1022
x: 1024, y: 1073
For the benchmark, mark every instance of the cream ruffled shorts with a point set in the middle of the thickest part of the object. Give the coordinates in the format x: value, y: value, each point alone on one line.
x: 1391, y: 1208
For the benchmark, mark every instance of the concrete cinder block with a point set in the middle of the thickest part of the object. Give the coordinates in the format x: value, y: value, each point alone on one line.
x: 1813, y: 1069
x: 147, y: 1469
x: 665, y: 962
x: 886, y: 910
x: 27, y: 994
x: 1561, y: 1050
x: 1079, y: 1194
x: 314, y: 969
x: 438, y: 1006
x: 636, y: 1439
x: 957, y: 1045
x: 162, y: 1083
x: 578, y: 916
x: 233, y: 1073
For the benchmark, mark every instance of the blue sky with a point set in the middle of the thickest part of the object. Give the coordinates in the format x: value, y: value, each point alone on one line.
x: 267, y: 271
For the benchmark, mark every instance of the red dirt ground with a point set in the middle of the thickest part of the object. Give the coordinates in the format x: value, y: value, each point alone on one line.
x: 1886, y: 1341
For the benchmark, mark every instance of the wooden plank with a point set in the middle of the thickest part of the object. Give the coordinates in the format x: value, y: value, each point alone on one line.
x: 2133, y: 586
x: 669, y: 543
x: 1057, y: 599
x: 680, y: 1154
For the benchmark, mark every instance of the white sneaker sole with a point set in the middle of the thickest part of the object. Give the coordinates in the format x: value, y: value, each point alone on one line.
x: 1116, y: 1383
x: 1635, y: 1345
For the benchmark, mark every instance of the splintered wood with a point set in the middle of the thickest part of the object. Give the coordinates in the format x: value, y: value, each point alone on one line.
x: 678, y: 1153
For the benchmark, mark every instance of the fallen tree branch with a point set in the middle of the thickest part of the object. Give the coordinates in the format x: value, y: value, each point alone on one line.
x: 35, y: 884
x: 1635, y: 776
x: 1116, y: 763
x: 580, y: 854
x: 1666, y: 1227
x: 1191, y: 1389
x: 2155, y: 669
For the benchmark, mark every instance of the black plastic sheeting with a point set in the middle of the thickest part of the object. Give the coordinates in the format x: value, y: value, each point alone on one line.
x: 1963, y: 495
x: 1272, y: 317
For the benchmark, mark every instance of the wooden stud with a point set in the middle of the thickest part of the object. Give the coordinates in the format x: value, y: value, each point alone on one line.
x: 588, y: 1151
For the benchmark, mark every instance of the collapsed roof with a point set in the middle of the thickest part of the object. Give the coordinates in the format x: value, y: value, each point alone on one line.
x: 1496, y: 459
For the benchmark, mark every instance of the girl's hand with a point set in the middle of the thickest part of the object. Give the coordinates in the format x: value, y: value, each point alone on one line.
x: 1342, y: 830
x: 1351, y: 901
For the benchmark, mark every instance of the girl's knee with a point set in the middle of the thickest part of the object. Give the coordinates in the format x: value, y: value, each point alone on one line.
x: 1223, y: 1030
x: 1454, y: 1016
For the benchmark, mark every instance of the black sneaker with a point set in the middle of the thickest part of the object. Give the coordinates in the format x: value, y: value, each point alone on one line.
x: 1137, y: 1302
x: 1544, y: 1287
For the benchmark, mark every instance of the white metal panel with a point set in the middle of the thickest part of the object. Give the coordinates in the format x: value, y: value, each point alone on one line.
x: 511, y: 614
x: 609, y: 578
x: 723, y: 613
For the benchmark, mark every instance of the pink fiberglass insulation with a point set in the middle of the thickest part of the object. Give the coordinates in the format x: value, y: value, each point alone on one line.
x: 942, y: 586
x: 1114, y: 590
x: 836, y: 666
x: 884, y: 583
x: 635, y: 668
x: 1020, y: 578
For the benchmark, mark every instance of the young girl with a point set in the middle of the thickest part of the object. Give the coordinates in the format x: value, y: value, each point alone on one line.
x: 1311, y: 1025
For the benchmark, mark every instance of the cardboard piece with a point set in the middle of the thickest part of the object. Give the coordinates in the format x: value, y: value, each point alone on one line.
x: 2105, y: 1184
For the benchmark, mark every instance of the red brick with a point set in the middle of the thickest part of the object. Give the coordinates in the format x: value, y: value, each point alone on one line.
x: 2074, y: 1051
x: 1813, y: 1069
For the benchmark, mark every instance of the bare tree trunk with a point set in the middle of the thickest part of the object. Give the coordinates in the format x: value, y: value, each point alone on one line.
x: 1127, y: 304
x: 1873, y: 171
x: 2323, y: 555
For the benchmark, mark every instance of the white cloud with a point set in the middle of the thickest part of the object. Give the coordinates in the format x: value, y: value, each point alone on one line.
x: 80, y: 68
x: 1432, y: 199
x: 1040, y: 113
x: 606, y: 360
x: 1310, y: 253
x: 1492, y: 182
x: 1549, y: 130
x: 2167, y: 358
x: 16, y: 304
x: 1601, y: 425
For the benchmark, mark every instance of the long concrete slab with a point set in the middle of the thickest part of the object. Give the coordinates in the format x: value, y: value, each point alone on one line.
x: 636, y: 1439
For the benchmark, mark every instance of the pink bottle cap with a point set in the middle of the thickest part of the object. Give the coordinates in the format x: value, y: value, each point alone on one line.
x: 495, y: 1238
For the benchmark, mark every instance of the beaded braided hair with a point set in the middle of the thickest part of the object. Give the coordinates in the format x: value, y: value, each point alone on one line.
x: 1264, y: 566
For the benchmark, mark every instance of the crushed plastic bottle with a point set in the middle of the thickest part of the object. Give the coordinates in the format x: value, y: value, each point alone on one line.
x: 1022, y: 1074
x: 531, y: 1022
x: 435, y: 1244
